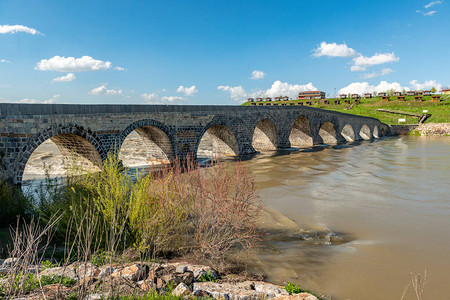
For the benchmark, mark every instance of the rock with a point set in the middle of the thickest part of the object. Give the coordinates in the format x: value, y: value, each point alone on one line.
x: 94, y: 297
x: 133, y: 272
x: 87, y: 270
x: 181, y: 269
x: 301, y: 296
x: 269, y: 290
x: 68, y: 271
x: 224, y: 291
x: 181, y: 290
x: 105, y: 271
x: 147, y: 285
x: 4, y: 270
x: 240, y: 291
x: 10, y: 261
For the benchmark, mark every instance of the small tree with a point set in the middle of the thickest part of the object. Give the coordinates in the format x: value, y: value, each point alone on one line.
x: 433, y: 90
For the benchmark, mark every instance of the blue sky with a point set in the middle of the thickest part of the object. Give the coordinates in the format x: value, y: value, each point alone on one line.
x: 205, y: 52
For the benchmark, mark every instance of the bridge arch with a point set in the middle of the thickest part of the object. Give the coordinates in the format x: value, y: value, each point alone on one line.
x: 264, y: 136
x: 157, y: 139
x: 217, y: 138
x: 75, y: 143
x: 300, y: 135
x: 375, y: 132
x: 327, y: 132
x: 364, y: 133
x: 348, y: 133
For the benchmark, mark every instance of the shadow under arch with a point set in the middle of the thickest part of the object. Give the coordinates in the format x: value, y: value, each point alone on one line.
x: 79, y: 148
x: 146, y: 142
x: 375, y: 133
x: 327, y: 132
x: 364, y: 133
x: 217, y: 139
x: 265, y: 135
x: 348, y: 133
x: 300, y: 135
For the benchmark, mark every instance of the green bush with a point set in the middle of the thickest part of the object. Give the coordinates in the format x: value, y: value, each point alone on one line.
x: 13, y: 203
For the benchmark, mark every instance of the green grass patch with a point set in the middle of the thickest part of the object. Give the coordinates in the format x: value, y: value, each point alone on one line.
x: 293, y: 288
x: 440, y: 111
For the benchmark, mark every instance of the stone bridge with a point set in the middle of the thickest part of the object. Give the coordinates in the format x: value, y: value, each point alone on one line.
x: 89, y: 132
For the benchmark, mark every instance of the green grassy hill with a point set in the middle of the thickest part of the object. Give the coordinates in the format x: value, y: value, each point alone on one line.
x: 440, y: 112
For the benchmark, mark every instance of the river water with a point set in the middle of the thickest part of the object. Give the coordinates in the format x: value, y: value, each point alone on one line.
x: 372, y: 213
x: 388, y: 198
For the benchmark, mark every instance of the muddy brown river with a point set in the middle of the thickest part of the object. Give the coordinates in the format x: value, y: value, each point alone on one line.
x: 372, y: 212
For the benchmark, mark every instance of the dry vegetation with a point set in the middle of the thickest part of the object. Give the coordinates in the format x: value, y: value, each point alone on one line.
x: 106, y: 217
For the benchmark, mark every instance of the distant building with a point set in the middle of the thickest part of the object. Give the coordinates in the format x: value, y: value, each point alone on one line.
x: 276, y: 98
x: 445, y: 92
x: 419, y: 93
x: 427, y: 93
x: 311, y: 95
x: 259, y: 99
x: 342, y: 96
x: 285, y: 98
x: 355, y: 96
x: 397, y: 94
x: 410, y: 93
x: 382, y: 94
x: 250, y: 99
x: 367, y: 95
x: 268, y: 99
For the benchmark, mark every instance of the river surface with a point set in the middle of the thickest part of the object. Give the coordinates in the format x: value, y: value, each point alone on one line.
x: 390, y: 198
x: 372, y: 213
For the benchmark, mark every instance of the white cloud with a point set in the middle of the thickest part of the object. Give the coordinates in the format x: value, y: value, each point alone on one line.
x: 102, y: 90
x: 258, y: 75
x: 11, y: 29
x: 278, y: 88
x: 365, y: 87
x: 383, y: 72
x: 427, y: 85
x: 154, y: 98
x: 72, y: 64
x: 334, y: 50
x: 32, y: 101
x: 427, y: 13
x: 237, y: 93
x: 188, y: 91
x: 4, y: 61
x: 432, y: 3
x: 119, y: 68
x: 65, y: 78
x: 361, y: 62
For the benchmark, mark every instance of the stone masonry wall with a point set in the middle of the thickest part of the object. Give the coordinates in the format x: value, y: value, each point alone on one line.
x: 174, y: 130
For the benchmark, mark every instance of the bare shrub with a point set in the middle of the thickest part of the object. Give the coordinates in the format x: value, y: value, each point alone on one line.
x: 224, y: 211
x: 30, y: 240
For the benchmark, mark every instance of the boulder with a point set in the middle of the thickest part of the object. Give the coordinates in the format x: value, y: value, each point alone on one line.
x: 181, y: 290
x: 224, y: 291
x: 301, y: 296
x: 270, y: 290
x: 181, y: 269
x: 4, y: 270
x: 105, y: 271
x: 238, y: 291
x: 68, y: 271
x: 87, y: 270
x: 10, y: 261
x: 134, y: 272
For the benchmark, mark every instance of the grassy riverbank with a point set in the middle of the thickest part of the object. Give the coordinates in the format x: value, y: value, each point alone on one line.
x: 440, y: 112
x: 106, y: 217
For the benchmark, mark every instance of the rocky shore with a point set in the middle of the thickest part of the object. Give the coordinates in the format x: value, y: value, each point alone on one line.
x: 436, y: 129
x: 183, y: 280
